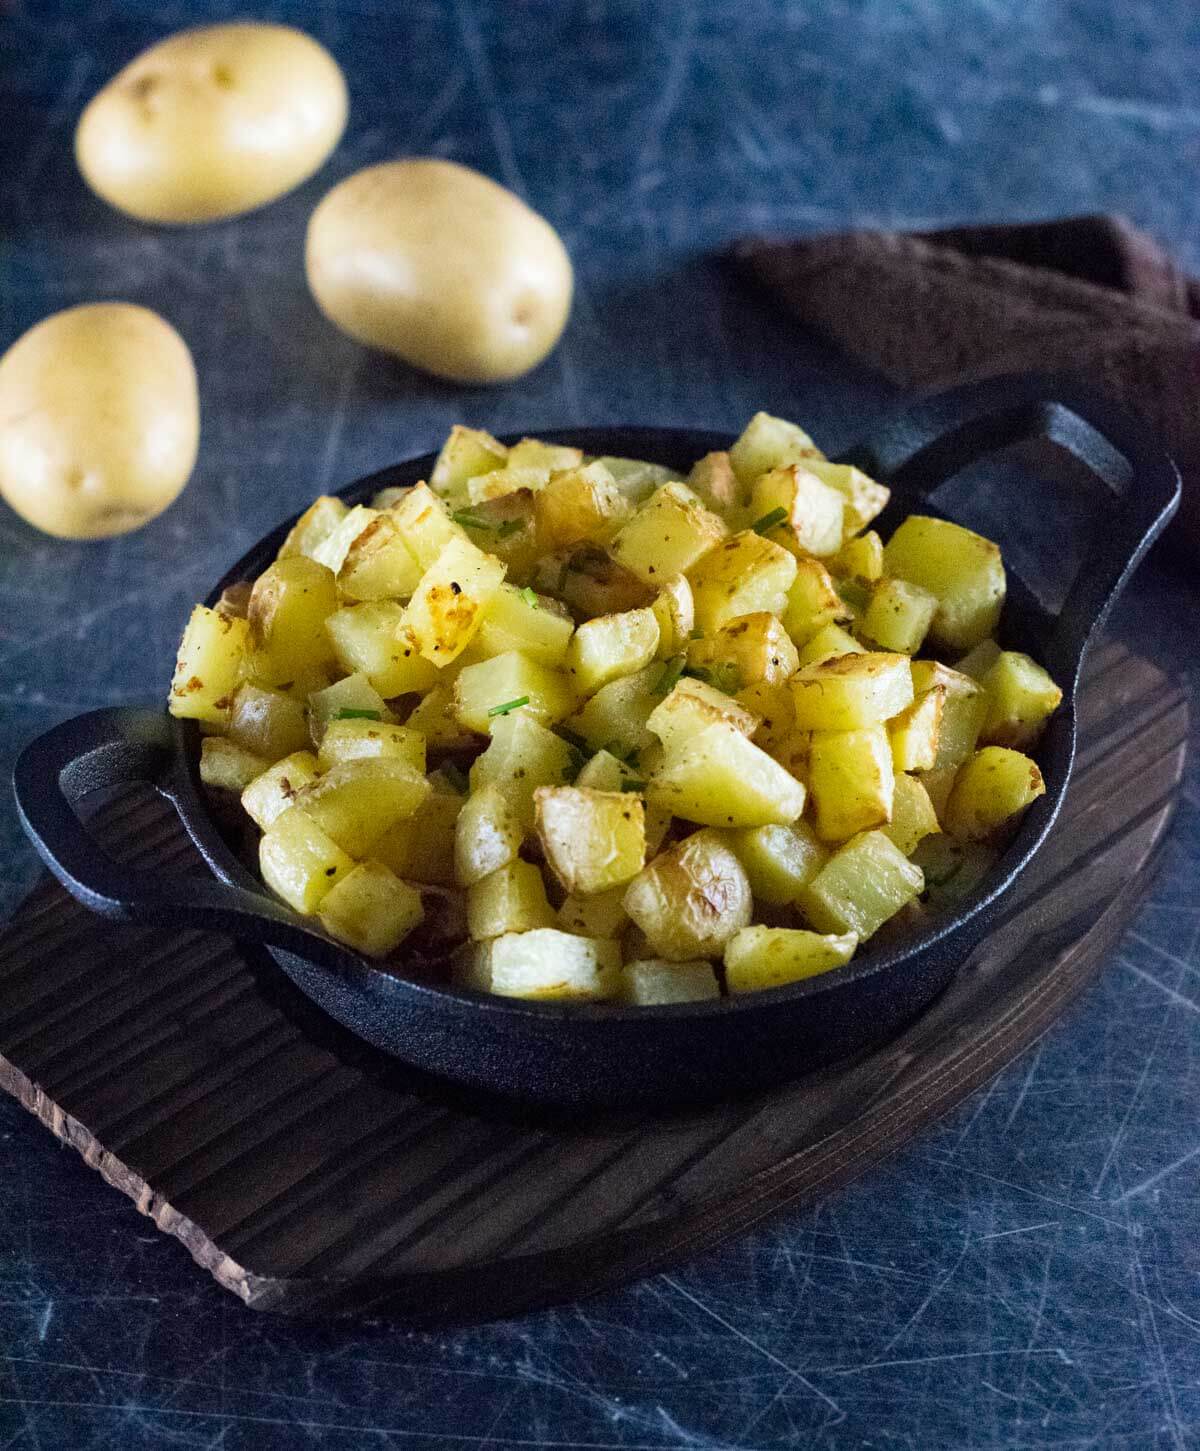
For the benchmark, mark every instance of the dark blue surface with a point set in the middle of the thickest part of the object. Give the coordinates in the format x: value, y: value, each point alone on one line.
x: 1023, y: 1276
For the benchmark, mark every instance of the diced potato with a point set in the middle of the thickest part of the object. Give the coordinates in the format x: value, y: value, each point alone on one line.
x: 332, y: 550
x: 425, y: 525
x: 225, y: 766
x: 466, y: 453
x: 636, y: 478
x: 829, y: 642
x: 778, y: 860
x: 718, y: 777
x: 389, y: 497
x: 355, y: 802
x: 592, y: 583
x: 448, y: 605
x: 675, y: 611
x: 713, y: 480
x: 604, y: 772
x: 580, y: 506
x: 289, y: 605
x: 482, y: 691
x: 519, y: 619
x: 235, y: 600
x: 1021, y: 698
x: 938, y: 784
x: 749, y: 649
x: 504, y: 527
x: 420, y: 847
x: 313, y: 527
x: 769, y: 443
x: 812, y: 519
x: 267, y: 722
x: 851, y: 691
x: 592, y: 840
x: 371, y: 910
x: 372, y: 639
x: 299, y: 861
x: 436, y: 718
x: 861, y: 886
x: 863, y: 499
x: 533, y: 453
x: 693, y: 705
x: 690, y: 900
x: 898, y: 616
x: 611, y: 646
x: 953, y: 869
x: 860, y: 558
x: 352, y: 738
x: 745, y: 574
x: 269, y: 795
x: 772, y: 704
x: 962, y: 569
x: 487, y: 835
x: 852, y: 781
x: 355, y: 695
x: 378, y: 565
x: 991, y: 792
x: 964, y: 709
x: 652, y: 982
x: 765, y: 957
x: 547, y: 964
x: 522, y: 755
x: 502, y: 482
x: 209, y: 665
x: 669, y: 533
x: 913, y: 816
x: 915, y: 731
x: 977, y: 662
x: 602, y: 914
x: 510, y: 899
x: 812, y: 602
x: 617, y: 714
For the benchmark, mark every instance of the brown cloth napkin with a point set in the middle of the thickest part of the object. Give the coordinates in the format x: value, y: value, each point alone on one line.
x: 1088, y: 295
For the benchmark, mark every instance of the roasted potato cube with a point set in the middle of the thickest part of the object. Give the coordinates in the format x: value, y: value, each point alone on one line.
x: 898, y: 616
x: 378, y: 565
x: 977, y: 662
x: 225, y: 766
x: 532, y: 453
x: 211, y: 656
x: 811, y: 522
x: 389, y: 497
x: 604, y: 772
x: 938, y: 784
x: 964, y: 708
x: 915, y: 731
x: 675, y: 611
x: 487, y: 835
x: 829, y: 642
x: 1021, y: 699
x: 913, y: 816
x: 289, y: 604
x: 371, y: 910
x: 510, y: 899
x: 353, y: 698
x: 602, y: 914
x: 523, y: 755
x: 718, y: 777
x: 550, y: 964
x: 313, y: 527
x: 269, y: 795
x: 745, y: 574
x: 332, y: 550
x: 519, y: 619
x: 512, y: 681
x: 636, y: 478
x: 466, y: 453
x: 355, y: 802
x: 502, y: 482
x: 436, y: 718
x: 425, y: 525
x: 652, y: 982
x: 690, y: 900
x: 953, y: 869
x: 860, y: 558
x: 772, y: 704
x: 769, y: 443
x: 991, y: 792
x: 714, y: 482
x: 592, y: 840
x: 812, y: 602
x: 766, y: 957
x: 749, y: 649
x: 352, y: 738
x: 778, y: 860
x: 609, y: 647
x: 669, y: 533
x: 420, y: 848
x: 852, y: 781
x: 504, y: 528
x: 962, y: 569
x: 691, y: 706
x: 448, y: 605
x: 372, y: 639
x: 861, y: 886
x: 579, y: 506
x: 299, y: 861
x: 267, y: 722
x: 851, y: 691
x: 863, y: 499
x: 617, y: 714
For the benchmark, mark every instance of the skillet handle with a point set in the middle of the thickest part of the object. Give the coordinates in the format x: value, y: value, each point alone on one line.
x: 939, y: 436
x: 116, y: 747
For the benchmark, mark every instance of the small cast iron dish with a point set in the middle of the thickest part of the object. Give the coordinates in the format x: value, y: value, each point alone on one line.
x: 602, y: 1056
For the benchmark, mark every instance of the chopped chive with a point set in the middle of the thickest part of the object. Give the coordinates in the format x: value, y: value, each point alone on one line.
x: 769, y: 521
x: 470, y: 520
x: 510, y: 526
x: 530, y: 598
x: 633, y: 785
x: 698, y: 672
x: 669, y: 678
x: 349, y: 713
x: 508, y: 705
x: 457, y: 777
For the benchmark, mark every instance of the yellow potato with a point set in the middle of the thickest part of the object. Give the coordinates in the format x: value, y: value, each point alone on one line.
x: 212, y: 122
x: 99, y: 420
x: 441, y: 266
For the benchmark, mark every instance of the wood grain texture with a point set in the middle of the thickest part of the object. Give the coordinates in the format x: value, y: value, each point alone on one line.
x: 310, y: 1176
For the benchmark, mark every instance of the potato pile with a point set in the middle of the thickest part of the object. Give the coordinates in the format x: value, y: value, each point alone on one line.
x: 626, y: 736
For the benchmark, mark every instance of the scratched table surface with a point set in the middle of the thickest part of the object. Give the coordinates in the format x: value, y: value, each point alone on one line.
x: 1024, y: 1275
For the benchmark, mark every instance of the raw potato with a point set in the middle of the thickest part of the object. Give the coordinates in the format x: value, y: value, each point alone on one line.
x: 441, y: 266
x: 99, y: 420
x: 212, y: 122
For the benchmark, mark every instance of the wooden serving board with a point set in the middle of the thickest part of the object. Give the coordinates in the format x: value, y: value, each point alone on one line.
x: 311, y: 1176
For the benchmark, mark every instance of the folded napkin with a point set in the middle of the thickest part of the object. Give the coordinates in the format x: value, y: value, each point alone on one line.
x: 1088, y: 295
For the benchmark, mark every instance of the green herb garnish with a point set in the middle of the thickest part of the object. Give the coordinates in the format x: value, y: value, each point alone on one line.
x: 530, y: 598
x: 669, y: 678
x: 350, y: 713
x: 470, y: 520
x: 723, y: 676
x: 769, y: 521
x: 508, y: 705
x: 633, y: 785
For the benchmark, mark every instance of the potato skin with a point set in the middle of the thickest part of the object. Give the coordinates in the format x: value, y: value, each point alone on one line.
x: 212, y: 122
x: 99, y: 420
x: 441, y: 266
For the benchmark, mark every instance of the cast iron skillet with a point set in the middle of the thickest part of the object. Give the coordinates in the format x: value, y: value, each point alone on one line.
x: 599, y: 1056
